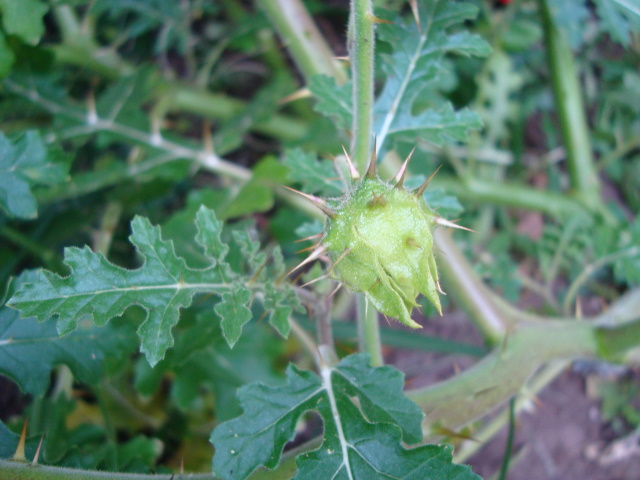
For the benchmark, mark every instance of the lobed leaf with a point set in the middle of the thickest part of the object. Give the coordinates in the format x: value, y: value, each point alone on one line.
x: 619, y: 19
x: 315, y: 176
x: 99, y: 290
x: 414, y: 68
x: 25, y: 162
x: 354, y: 447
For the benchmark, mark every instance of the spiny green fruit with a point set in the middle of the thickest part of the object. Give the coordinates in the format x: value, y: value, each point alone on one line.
x: 379, y: 238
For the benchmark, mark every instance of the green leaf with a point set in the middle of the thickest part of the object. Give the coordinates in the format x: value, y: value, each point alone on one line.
x: 315, y: 176
x: 24, y: 163
x: 29, y: 350
x: 570, y: 16
x: 6, y: 57
x: 233, y: 312
x: 627, y: 269
x: 23, y: 18
x: 280, y: 299
x: 100, y: 290
x: 414, y: 68
x: 354, y: 447
x: 257, y: 195
x: 332, y: 100
x: 145, y: 15
x: 619, y: 17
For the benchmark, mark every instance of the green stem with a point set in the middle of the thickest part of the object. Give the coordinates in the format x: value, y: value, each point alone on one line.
x: 507, y: 454
x: 593, y: 268
x: 361, y: 48
x: 79, y: 48
x: 538, y: 383
x: 48, y: 257
x: 309, y: 50
x: 514, y: 195
x: 500, y: 375
x: 369, y: 331
x: 571, y: 112
x: 468, y: 290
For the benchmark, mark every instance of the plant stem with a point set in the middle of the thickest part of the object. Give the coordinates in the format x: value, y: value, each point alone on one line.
x: 591, y: 269
x: 571, y: 112
x: 507, y: 454
x: 500, y: 375
x: 541, y: 380
x: 513, y: 195
x: 361, y: 48
x: 79, y: 48
x: 468, y: 290
x: 48, y: 257
x: 309, y: 50
x: 369, y: 331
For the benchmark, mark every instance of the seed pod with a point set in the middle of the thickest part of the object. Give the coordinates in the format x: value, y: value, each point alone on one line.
x: 380, y: 240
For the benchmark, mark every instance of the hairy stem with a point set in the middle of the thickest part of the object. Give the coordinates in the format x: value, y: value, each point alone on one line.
x: 361, y: 48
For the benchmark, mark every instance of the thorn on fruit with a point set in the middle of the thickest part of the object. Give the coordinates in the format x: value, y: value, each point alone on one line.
x: 315, y: 254
x: 377, y: 201
x: 403, y: 171
x: 318, y: 202
x: 420, y: 190
x: 412, y: 243
x: 375, y: 19
x: 371, y: 171
x: 352, y: 169
x: 447, y: 223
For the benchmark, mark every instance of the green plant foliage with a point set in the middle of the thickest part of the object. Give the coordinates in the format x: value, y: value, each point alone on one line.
x: 619, y: 18
x: 332, y: 100
x: 6, y: 57
x: 314, y: 175
x: 149, y: 15
x: 30, y: 350
x: 414, y: 70
x: 101, y: 290
x: 257, y: 195
x: 361, y: 442
x: 25, y: 162
x: 571, y: 16
x: 24, y: 19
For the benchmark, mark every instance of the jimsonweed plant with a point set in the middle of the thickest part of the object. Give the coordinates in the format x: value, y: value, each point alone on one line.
x: 160, y: 159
